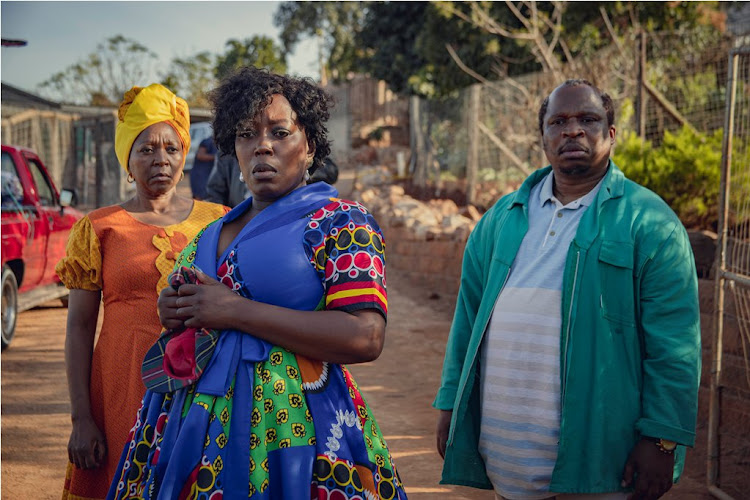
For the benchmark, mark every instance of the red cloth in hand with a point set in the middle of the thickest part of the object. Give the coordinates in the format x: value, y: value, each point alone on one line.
x: 179, y: 355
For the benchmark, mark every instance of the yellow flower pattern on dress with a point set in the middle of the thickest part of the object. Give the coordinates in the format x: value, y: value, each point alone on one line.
x: 268, y: 405
x: 169, y: 242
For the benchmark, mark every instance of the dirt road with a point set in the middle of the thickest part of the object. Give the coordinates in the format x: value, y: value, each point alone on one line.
x: 400, y: 386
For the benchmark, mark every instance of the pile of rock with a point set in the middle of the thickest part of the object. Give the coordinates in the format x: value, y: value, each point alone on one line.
x: 425, y: 240
x: 432, y: 220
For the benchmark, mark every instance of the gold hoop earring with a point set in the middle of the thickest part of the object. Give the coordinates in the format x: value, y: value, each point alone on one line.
x: 182, y: 175
x: 131, y: 179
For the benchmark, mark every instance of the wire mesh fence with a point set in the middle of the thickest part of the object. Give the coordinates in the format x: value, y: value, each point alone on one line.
x: 690, y: 73
x: 684, y: 85
x: 729, y: 443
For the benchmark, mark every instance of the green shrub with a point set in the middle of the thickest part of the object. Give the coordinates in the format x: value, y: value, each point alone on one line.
x: 684, y: 170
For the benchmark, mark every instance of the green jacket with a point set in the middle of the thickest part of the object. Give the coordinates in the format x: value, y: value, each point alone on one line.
x: 630, y: 353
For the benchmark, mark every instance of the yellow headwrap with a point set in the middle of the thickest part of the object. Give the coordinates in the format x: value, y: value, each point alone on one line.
x: 141, y: 107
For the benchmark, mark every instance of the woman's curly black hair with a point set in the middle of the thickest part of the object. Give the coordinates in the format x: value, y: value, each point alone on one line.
x: 247, y: 92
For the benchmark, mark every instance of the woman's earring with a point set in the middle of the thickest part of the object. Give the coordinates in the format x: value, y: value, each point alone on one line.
x: 131, y: 179
x: 182, y: 175
x: 242, y: 178
x: 307, y: 170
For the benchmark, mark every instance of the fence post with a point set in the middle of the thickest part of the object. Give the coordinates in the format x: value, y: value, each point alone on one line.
x: 714, y: 405
x: 428, y: 163
x: 418, y: 165
x: 472, y: 156
x: 640, y: 108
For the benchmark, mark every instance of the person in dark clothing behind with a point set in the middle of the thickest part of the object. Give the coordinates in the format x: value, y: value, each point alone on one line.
x: 328, y: 172
x: 224, y: 184
x: 204, y: 162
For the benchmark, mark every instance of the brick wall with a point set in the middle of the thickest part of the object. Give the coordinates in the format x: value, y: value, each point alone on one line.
x: 434, y: 263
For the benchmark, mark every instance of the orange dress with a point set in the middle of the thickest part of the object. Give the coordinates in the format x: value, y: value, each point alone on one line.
x: 129, y: 261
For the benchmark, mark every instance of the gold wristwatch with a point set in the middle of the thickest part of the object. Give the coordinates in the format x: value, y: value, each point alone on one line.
x: 664, y: 445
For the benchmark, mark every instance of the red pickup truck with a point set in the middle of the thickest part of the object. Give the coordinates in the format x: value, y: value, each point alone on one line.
x: 36, y: 221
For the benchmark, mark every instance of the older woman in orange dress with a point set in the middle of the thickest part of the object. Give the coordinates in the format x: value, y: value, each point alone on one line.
x: 121, y: 255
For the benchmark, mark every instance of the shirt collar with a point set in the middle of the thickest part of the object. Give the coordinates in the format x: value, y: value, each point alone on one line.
x: 546, y: 194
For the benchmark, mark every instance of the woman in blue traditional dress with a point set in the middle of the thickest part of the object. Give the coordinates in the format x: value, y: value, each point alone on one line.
x: 248, y: 393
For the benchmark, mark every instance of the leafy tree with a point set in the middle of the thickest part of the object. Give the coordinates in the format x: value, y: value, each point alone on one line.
x: 103, y: 76
x: 449, y: 40
x: 435, y: 48
x: 335, y: 24
x: 590, y: 20
x: 259, y: 51
x: 409, y: 45
x: 388, y: 41
x: 191, y: 77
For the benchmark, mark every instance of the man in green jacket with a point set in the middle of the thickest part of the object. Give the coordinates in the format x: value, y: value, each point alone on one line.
x: 573, y: 362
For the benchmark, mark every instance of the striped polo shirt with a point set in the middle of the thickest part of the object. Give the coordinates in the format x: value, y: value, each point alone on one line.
x: 520, y: 355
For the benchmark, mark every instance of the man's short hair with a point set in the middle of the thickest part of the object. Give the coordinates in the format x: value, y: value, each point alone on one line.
x: 606, y: 102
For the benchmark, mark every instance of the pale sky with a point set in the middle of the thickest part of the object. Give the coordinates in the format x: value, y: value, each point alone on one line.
x: 62, y: 33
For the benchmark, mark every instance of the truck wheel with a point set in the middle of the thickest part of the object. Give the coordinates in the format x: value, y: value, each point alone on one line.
x: 10, y: 306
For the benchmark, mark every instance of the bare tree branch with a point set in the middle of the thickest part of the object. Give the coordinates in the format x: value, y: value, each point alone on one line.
x: 555, y: 26
x: 556, y: 29
x: 611, y: 30
x: 633, y: 17
x: 516, y: 12
x: 542, y: 49
x: 105, y: 74
x: 482, y: 79
x: 569, y: 56
x: 464, y: 67
x: 487, y: 23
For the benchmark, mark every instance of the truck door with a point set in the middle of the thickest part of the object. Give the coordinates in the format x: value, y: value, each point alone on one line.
x: 20, y: 222
x: 50, y: 239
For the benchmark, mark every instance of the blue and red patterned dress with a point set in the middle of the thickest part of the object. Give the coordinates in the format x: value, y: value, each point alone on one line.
x: 263, y: 422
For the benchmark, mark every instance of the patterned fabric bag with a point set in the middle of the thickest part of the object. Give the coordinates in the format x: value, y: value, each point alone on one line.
x: 179, y: 357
